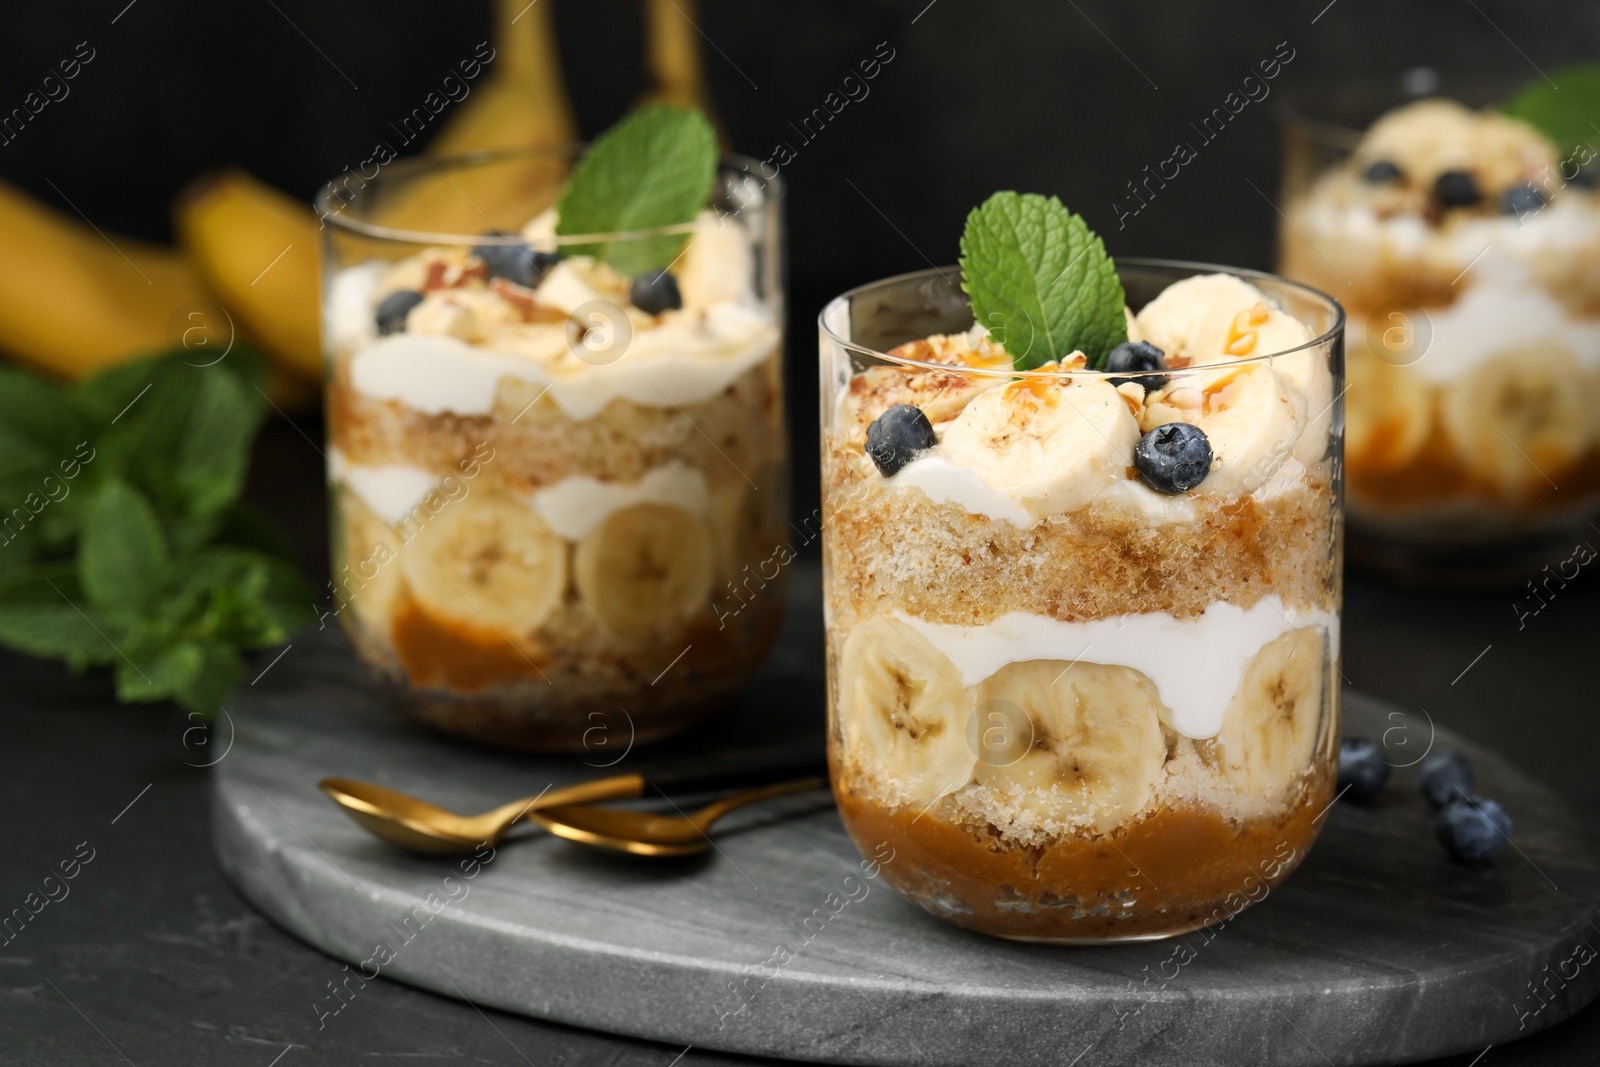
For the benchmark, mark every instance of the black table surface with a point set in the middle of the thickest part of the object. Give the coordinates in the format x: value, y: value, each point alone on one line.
x: 152, y: 958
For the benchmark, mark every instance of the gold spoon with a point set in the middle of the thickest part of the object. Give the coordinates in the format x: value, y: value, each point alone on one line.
x: 420, y: 826
x: 645, y: 833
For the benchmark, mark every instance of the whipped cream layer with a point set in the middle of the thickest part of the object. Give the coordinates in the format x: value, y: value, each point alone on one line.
x: 1503, y: 310
x: 1196, y: 664
x: 575, y: 506
x: 391, y: 490
x: 572, y: 507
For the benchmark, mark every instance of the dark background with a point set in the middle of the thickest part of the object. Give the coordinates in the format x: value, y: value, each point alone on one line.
x: 157, y: 954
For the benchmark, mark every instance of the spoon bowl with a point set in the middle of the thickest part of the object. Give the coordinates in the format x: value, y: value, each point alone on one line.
x: 645, y: 833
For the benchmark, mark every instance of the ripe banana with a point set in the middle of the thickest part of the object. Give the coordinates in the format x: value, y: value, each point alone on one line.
x: 902, y: 710
x: 520, y: 103
x: 645, y: 565
x: 1517, y: 420
x: 523, y: 100
x: 1270, y: 728
x: 1388, y: 412
x: 673, y: 55
x: 487, y: 564
x: 368, y: 575
x: 73, y: 302
x: 1096, y: 746
x: 257, y: 249
x: 1053, y: 446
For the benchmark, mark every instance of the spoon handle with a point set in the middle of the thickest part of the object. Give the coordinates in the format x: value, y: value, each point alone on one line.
x: 811, y: 765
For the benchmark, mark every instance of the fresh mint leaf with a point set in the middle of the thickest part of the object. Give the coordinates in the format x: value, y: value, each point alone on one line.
x: 654, y: 168
x: 118, y: 569
x: 1565, y: 107
x: 1040, y: 281
x: 213, y: 452
x: 44, y: 612
x: 123, y: 560
x: 39, y: 425
x: 181, y: 435
x: 243, y: 596
x: 197, y: 674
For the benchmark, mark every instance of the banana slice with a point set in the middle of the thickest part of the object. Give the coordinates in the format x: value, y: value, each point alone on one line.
x: 645, y: 565
x: 1053, y: 446
x: 487, y: 562
x: 1261, y: 331
x: 718, y: 264
x: 369, y: 575
x: 1388, y: 413
x: 1095, y: 747
x: 1186, y: 320
x: 1270, y: 728
x: 1253, y: 418
x: 902, y: 709
x: 1519, y: 418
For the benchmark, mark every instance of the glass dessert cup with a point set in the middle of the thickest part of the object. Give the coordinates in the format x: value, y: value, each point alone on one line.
x: 549, y: 505
x: 1065, y: 707
x: 1466, y: 253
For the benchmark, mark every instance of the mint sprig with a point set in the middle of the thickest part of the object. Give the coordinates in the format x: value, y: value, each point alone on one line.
x: 652, y: 169
x: 1565, y: 108
x: 126, y: 545
x: 1040, y: 281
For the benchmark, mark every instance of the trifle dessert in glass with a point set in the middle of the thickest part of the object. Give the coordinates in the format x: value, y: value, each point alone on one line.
x: 1082, y: 578
x: 556, y: 447
x: 1465, y: 246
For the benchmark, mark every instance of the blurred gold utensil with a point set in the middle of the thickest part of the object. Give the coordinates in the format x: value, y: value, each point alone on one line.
x: 645, y: 833
x: 417, y: 825
x: 423, y: 827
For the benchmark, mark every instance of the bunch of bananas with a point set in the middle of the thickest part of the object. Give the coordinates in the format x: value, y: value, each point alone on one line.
x: 74, y: 301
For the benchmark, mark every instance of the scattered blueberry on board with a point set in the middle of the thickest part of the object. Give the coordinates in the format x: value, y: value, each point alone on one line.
x: 1382, y: 172
x: 1363, y: 772
x: 1456, y: 188
x: 1445, y: 776
x: 1521, y: 200
x: 1138, y: 356
x: 896, y: 436
x: 393, y: 309
x: 1472, y: 829
x: 655, y: 291
x: 1173, y: 458
x: 517, y: 263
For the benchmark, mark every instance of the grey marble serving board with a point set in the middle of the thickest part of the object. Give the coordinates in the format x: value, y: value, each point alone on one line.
x: 1378, y: 950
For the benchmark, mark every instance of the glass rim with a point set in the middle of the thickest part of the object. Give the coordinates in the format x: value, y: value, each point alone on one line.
x: 1193, y: 267
x: 479, y: 157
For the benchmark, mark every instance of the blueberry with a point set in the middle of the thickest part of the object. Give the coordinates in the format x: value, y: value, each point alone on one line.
x: 1138, y: 356
x: 1173, y: 458
x: 1522, y: 199
x: 1472, y: 829
x: 1363, y: 772
x: 517, y: 263
x: 896, y: 436
x: 1456, y: 188
x: 655, y: 291
x: 393, y: 309
x: 1445, y: 776
x: 1382, y: 172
